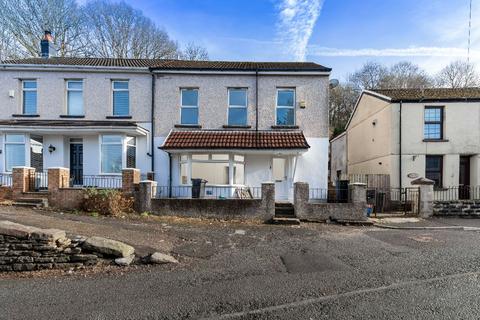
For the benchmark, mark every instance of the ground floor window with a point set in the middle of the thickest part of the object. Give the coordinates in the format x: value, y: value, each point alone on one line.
x: 36, y: 152
x: 217, y: 169
x: 434, y: 169
x: 111, y: 153
x: 14, y: 151
x: 131, y: 152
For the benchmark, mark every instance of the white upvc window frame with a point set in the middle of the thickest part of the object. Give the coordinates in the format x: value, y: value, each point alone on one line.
x: 277, y: 106
x: 123, y: 147
x: 189, y: 107
x: 118, y: 90
x: 230, y: 106
x: 23, y: 81
x: 68, y: 90
x: 5, y: 143
x: 231, y: 162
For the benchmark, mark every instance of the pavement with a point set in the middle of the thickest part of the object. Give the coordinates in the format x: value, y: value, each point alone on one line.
x: 248, y: 271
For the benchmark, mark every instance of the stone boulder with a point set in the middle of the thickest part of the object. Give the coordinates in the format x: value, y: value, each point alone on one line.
x: 108, y: 247
x: 160, y: 258
x: 125, y: 261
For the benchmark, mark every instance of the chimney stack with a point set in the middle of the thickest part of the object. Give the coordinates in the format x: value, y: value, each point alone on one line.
x: 47, y: 48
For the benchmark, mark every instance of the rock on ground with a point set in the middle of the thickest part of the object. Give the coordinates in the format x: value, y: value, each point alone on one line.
x: 108, y: 247
x: 159, y: 258
x: 125, y: 261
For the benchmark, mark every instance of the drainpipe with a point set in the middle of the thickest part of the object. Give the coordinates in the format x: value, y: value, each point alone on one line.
x: 152, y: 114
x: 400, y: 147
x: 256, y: 100
x: 169, y: 175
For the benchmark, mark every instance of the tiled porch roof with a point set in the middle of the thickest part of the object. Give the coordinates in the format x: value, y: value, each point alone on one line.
x: 217, y: 139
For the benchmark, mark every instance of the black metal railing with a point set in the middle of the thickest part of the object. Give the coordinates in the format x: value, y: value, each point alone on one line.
x: 454, y: 193
x: 6, y: 179
x: 97, y: 181
x: 393, y: 199
x: 331, y: 195
x: 38, y: 181
x: 213, y: 192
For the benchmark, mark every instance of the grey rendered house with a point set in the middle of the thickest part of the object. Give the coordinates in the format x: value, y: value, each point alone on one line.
x: 231, y: 123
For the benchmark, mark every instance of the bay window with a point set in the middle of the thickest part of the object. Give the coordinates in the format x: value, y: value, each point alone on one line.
x: 237, y: 107
x: 14, y: 151
x: 111, y: 153
x: 285, y: 112
x: 217, y: 169
x: 131, y: 143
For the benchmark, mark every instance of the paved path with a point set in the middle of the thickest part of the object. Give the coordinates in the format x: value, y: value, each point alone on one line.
x: 314, y: 271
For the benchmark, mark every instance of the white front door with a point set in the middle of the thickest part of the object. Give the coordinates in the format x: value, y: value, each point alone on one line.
x: 279, y: 173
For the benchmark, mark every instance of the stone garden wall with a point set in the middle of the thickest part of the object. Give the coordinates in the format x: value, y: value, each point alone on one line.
x: 467, y: 208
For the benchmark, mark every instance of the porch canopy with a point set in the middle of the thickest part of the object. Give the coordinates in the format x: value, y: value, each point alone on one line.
x: 72, y: 126
x: 286, y: 141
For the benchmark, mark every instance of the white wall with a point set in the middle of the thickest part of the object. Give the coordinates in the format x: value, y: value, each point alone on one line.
x: 57, y: 157
x: 312, y: 166
x: 257, y: 169
x: 162, y: 164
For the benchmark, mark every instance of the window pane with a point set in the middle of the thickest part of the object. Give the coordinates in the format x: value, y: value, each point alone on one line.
x: 214, y: 173
x: 432, y: 131
x: 36, y: 153
x: 18, y: 138
x: 239, y: 173
x: 121, y: 103
x: 131, y: 157
x: 285, y: 116
x: 131, y: 141
x: 220, y: 157
x: 75, y: 103
x: 30, y: 102
x: 111, y: 139
x: 14, y: 156
x: 285, y: 98
x: 433, y: 114
x: 279, y: 166
x: 237, y: 116
x: 120, y: 85
x: 433, y: 163
x: 189, y: 116
x: 183, y: 157
x: 111, y: 158
x: 76, y: 85
x: 189, y: 97
x: 238, y: 97
x: 239, y: 158
x: 29, y: 84
x: 183, y: 173
x: 199, y: 156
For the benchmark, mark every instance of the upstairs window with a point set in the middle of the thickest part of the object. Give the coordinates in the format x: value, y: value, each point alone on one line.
x: 29, y: 96
x: 434, y: 169
x: 14, y: 151
x: 285, y: 107
x: 433, y: 128
x: 189, y: 109
x: 237, y: 107
x: 121, y: 98
x: 75, y: 98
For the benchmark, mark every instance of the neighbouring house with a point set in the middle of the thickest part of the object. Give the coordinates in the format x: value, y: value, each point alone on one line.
x: 410, y: 133
x: 230, y: 123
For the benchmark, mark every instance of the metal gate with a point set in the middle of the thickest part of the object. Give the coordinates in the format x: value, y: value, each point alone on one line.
x: 394, y: 200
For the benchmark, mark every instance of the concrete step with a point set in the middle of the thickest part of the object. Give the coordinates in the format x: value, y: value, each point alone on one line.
x: 283, y: 205
x: 31, y: 202
x: 26, y: 204
x: 285, y: 221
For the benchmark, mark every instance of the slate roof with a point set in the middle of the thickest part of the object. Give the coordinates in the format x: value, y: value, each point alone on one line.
x: 168, y: 64
x: 431, y: 94
x: 213, y: 139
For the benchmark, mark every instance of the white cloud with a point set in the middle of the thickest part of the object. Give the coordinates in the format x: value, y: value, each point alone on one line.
x: 297, y: 19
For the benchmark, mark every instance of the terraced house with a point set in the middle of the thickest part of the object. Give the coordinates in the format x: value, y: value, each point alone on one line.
x: 230, y: 123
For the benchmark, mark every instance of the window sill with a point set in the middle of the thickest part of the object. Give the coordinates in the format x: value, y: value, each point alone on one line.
x: 72, y: 116
x: 285, y: 127
x: 435, y: 140
x: 25, y: 115
x: 118, y: 117
x: 195, y: 126
x: 236, y: 127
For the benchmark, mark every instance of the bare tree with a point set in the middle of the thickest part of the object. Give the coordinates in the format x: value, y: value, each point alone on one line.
x: 24, y: 22
x: 194, y: 52
x: 458, y: 74
x: 117, y: 30
x: 369, y: 76
x: 404, y: 75
x: 341, y: 104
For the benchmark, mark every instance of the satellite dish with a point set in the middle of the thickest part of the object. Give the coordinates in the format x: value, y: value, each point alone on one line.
x: 333, y: 83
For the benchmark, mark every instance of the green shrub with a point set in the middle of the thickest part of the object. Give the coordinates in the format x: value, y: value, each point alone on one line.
x: 109, y: 202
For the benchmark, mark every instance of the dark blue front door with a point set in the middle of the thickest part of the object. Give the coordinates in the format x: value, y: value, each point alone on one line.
x: 76, y: 163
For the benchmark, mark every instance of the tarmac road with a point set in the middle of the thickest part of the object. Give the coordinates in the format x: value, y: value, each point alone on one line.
x: 308, y: 272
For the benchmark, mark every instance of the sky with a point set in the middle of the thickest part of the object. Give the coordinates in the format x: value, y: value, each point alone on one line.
x: 341, y: 34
